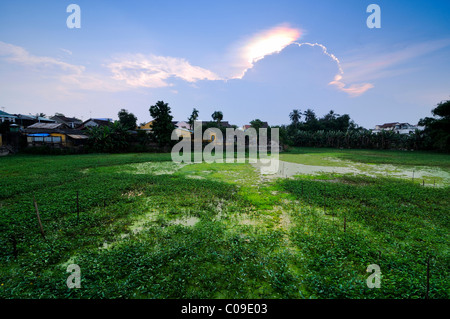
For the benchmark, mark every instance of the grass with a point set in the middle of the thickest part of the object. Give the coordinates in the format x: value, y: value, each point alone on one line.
x: 150, y: 228
x: 395, y: 224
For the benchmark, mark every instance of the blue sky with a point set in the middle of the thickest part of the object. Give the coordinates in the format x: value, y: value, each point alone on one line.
x: 246, y: 58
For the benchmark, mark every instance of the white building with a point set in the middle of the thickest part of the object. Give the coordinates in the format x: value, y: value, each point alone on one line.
x: 400, y: 128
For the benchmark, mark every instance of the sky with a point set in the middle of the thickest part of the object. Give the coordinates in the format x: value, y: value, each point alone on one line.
x: 248, y: 59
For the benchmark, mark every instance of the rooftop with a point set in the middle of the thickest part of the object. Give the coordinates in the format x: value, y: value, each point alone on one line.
x: 67, y: 119
x: 4, y: 114
x: 46, y: 126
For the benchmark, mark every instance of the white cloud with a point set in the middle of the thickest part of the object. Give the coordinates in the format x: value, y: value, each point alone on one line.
x: 66, y: 51
x: 74, y: 76
x: 354, y: 89
x: 150, y: 71
x: 153, y: 71
x: 19, y: 55
x: 370, y: 66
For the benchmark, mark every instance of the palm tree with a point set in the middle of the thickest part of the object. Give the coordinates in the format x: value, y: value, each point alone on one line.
x: 295, y: 117
x: 193, y: 118
x: 217, y: 116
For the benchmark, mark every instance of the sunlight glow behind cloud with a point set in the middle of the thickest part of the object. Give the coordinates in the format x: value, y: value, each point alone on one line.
x: 269, y: 42
x: 275, y: 40
x: 264, y: 43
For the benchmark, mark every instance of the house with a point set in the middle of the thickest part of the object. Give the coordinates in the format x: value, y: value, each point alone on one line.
x: 183, y: 129
x: 56, y: 135
x: 182, y: 124
x: 400, y: 128
x: 178, y: 124
x: 246, y: 127
x: 222, y: 123
x: 27, y: 120
x: 6, y: 117
x: 71, y: 122
x: 406, y: 128
x: 146, y: 127
x: 95, y: 123
x: 183, y: 132
x: 386, y: 127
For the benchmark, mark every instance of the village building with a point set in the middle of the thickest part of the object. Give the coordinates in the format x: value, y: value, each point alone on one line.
x: 6, y: 117
x: 97, y: 122
x: 24, y: 121
x: 57, y: 135
x: 71, y: 122
x: 400, y: 128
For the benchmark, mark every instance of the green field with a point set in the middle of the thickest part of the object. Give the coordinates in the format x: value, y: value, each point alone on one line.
x: 150, y: 228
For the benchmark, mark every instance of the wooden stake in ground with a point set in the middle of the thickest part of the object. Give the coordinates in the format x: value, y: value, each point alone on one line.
x: 38, y: 217
x: 78, y: 209
x: 14, y: 243
x: 428, y: 278
x: 345, y: 224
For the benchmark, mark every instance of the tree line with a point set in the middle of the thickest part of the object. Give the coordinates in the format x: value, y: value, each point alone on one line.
x: 334, y: 130
x: 305, y: 129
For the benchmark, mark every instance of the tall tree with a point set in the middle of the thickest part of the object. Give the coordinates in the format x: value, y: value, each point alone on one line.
x: 335, y: 122
x: 311, y: 122
x: 110, y: 139
x: 217, y: 116
x: 128, y: 120
x: 193, y: 118
x: 256, y: 124
x: 438, y: 127
x: 295, y: 117
x: 162, y: 125
x: 310, y: 115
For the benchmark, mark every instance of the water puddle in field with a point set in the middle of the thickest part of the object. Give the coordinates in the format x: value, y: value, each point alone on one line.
x: 156, y: 168
x: 427, y: 175
x: 195, y: 177
x: 186, y: 221
x: 287, y: 169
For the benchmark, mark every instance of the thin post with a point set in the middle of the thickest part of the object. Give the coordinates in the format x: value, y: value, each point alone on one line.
x: 423, y: 182
x: 345, y: 224
x: 428, y: 277
x: 413, y: 177
x: 38, y: 217
x: 78, y: 208
x: 14, y: 243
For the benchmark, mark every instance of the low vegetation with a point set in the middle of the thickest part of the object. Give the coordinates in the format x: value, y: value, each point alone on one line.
x: 144, y: 227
